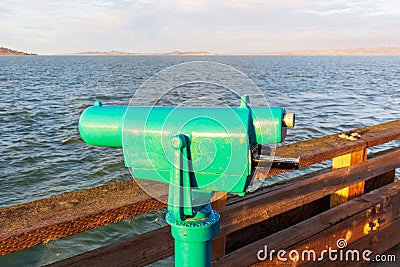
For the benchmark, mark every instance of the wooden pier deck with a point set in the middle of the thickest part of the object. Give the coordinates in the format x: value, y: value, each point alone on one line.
x: 356, y: 200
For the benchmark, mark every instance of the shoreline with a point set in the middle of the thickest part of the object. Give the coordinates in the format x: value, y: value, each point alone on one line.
x: 376, y: 51
x: 210, y: 55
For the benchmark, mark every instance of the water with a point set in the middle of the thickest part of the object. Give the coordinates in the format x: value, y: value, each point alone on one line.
x: 41, y: 98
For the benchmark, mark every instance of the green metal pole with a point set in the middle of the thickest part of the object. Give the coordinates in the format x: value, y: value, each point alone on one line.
x: 193, y: 237
x: 192, y: 230
x: 201, y: 256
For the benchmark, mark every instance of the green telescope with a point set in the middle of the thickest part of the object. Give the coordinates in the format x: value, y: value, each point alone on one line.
x: 196, y: 150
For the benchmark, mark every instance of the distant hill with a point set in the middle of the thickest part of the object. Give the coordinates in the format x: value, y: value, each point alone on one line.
x: 377, y: 51
x: 9, y: 52
x: 109, y: 53
x: 189, y: 53
x: 121, y: 53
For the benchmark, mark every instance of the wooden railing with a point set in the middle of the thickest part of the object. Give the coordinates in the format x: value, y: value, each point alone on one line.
x: 357, y: 196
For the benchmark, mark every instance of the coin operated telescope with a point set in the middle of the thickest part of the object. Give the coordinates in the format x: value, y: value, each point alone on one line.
x: 196, y: 150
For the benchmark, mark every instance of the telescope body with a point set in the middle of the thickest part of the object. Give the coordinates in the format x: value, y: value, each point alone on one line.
x: 221, y: 140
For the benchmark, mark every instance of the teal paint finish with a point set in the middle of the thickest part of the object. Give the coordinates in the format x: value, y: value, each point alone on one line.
x: 102, y: 126
x: 218, y: 142
x: 192, y: 228
x: 220, y: 139
x: 195, y: 150
x: 268, y: 124
x: 193, y: 237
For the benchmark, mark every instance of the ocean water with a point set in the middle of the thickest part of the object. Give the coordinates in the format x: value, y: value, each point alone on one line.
x: 41, y: 98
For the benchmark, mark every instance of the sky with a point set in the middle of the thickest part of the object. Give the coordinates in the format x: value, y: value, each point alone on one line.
x: 147, y: 26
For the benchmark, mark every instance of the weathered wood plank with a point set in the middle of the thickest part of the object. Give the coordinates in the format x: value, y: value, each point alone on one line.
x: 260, y: 208
x: 383, y: 179
x: 379, y: 242
x: 379, y: 181
x: 67, y: 214
x: 275, y: 224
x: 378, y: 216
x: 132, y: 252
x: 298, y: 233
x: 328, y: 147
x: 145, y: 241
x: 275, y: 202
x: 255, y: 232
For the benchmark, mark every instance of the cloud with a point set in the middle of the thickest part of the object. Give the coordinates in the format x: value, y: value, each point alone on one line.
x: 219, y: 26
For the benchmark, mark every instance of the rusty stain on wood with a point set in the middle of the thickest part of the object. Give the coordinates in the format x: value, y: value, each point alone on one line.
x: 379, y: 241
x: 354, y: 228
x: 315, y: 226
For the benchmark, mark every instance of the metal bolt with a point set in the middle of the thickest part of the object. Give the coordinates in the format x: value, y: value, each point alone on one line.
x: 178, y: 141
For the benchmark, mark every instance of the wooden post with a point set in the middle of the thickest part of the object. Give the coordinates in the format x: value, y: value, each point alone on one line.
x: 352, y: 191
x: 218, y: 244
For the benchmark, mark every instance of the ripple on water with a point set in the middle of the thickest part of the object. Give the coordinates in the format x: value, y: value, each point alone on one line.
x: 42, y: 97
